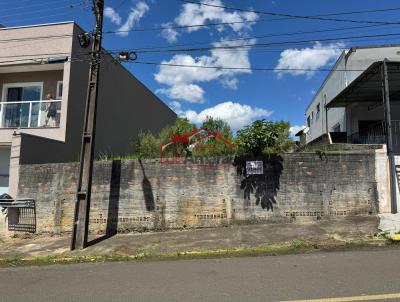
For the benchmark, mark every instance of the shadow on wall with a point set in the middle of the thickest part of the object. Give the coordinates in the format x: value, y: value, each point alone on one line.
x: 113, y: 203
x: 265, y: 186
x: 147, y: 191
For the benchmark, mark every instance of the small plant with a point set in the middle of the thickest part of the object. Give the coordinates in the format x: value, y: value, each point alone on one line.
x: 147, y: 145
x: 299, y: 243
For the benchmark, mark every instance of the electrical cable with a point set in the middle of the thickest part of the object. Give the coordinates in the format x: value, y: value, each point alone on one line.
x: 42, y: 10
x: 247, y: 46
x: 289, y: 16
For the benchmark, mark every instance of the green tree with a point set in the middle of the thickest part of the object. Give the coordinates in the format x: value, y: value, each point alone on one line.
x: 264, y: 137
x: 214, y: 147
x: 219, y: 125
x: 181, y: 126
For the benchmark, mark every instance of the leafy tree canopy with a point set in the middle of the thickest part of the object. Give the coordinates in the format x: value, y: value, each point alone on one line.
x: 260, y: 137
x: 264, y: 137
x: 219, y: 125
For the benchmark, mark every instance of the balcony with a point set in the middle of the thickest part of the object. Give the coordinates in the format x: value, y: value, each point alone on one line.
x: 30, y: 114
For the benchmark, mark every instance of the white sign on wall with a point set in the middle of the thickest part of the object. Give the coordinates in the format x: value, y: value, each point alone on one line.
x: 254, y: 167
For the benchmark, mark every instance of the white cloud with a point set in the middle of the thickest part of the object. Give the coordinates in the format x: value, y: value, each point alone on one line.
x: 307, y: 58
x: 236, y: 114
x: 196, y: 14
x: 136, y: 13
x: 111, y: 14
x: 189, y: 92
x: 295, y: 129
x: 169, y: 33
x: 181, y: 80
x: 176, y: 106
x: 229, y: 83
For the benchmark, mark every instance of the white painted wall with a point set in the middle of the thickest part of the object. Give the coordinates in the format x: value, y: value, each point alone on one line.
x: 355, y: 59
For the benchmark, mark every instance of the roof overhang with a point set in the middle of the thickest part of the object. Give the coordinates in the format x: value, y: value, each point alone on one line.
x: 367, y: 87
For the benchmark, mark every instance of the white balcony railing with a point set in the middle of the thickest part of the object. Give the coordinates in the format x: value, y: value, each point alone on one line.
x: 30, y: 114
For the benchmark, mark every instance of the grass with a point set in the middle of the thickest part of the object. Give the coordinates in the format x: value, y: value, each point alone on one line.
x: 296, y: 246
x: 326, y: 148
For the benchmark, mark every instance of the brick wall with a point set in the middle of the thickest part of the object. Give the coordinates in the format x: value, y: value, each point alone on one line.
x: 133, y: 195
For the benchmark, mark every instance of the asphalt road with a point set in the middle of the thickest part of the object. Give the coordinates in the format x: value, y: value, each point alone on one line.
x: 358, y: 275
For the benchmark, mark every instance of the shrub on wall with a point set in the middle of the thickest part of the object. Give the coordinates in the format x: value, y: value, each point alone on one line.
x: 214, y: 146
x: 261, y: 137
x: 147, y: 145
x: 264, y: 137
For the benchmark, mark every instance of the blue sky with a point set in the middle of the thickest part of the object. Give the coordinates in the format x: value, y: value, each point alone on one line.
x: 238, y: 96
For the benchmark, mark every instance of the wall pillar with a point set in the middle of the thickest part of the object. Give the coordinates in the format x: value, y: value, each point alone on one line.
x: 14, y: 165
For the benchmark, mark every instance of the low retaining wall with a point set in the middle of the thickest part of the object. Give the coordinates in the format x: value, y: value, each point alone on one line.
x: 146, y: 195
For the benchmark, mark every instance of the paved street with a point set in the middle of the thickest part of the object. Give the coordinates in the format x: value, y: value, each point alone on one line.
x: 358, y: 275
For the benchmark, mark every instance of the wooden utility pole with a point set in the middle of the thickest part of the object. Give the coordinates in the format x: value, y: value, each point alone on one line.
x: 82, y: 204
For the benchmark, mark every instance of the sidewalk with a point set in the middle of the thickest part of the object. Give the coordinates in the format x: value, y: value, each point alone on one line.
x: 158, y: 243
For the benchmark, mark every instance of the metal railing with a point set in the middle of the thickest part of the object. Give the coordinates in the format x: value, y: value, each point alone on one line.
x: 30, y: 114
x: 376, y: 134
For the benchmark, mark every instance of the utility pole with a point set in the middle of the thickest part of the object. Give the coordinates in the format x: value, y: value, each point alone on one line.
x: 82, y: 204
x: 389, y: 135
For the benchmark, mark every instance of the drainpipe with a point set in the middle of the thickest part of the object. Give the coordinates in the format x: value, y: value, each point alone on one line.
x: 346, y: 58
x: 326, y: 115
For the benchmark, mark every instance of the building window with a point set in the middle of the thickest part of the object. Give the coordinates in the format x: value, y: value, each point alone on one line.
x: 318, y: 112
x: 312, y: 117
x: 20, y: 104
x: 308, y: 122
x: 59, y: 90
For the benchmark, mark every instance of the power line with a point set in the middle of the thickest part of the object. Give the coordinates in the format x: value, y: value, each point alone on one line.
x: 256, y: 37
x: 243, y: 47
x: 290, y: 16
x: 190, y: 44
x: 77, y: 4
x: 247, y: 46
x: 39, y: 59
x: 86, y: 59
x: 243, y: 68
x: 33, y: 5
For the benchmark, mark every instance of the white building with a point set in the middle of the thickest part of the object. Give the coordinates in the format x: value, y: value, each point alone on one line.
x: 349, y: 104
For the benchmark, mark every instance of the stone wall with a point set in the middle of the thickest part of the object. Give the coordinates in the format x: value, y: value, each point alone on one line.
x: 147, y: 195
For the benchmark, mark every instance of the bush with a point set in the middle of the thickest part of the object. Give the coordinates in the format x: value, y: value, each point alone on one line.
x: 147, y: 145
x: 261, y: 137
x: 264, y: 137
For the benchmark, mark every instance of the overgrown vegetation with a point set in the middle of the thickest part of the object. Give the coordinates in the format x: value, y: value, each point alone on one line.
x: 148, y: 145
x: 264, y: 137
x: 260, y: 137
